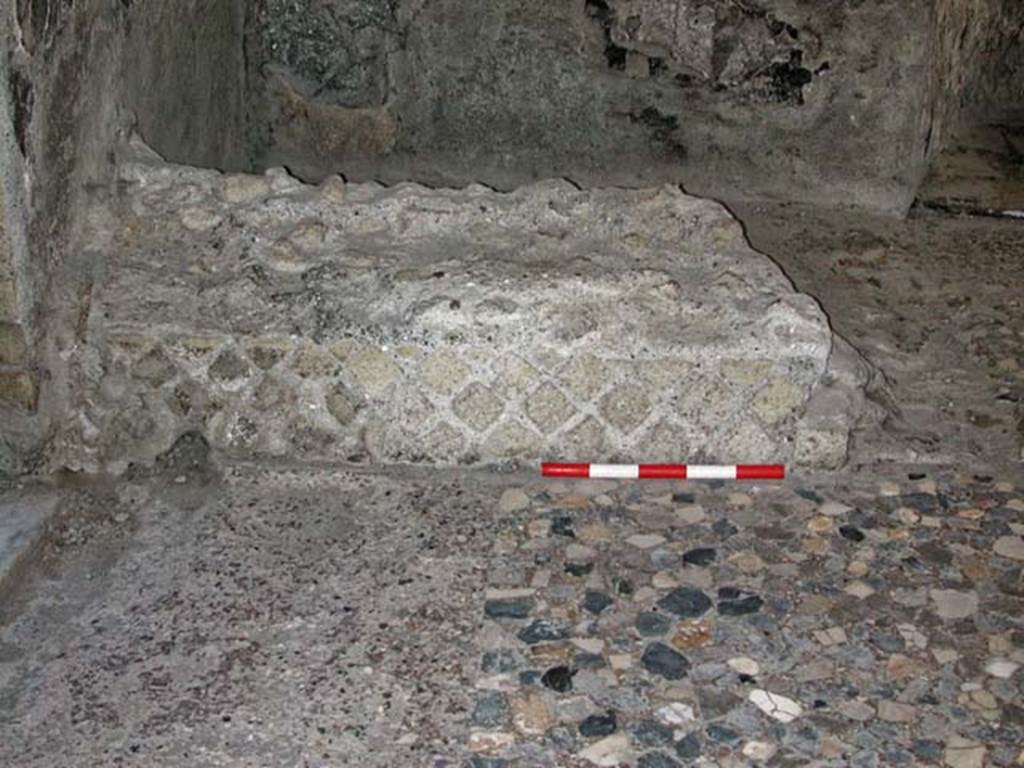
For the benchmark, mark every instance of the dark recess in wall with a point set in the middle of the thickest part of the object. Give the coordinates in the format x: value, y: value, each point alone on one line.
x: 663, y: 127
x: 599, y: 11
x: 787, y: 79
x: 22, y: 99
x: 751, y: 54
x: 40, y: 21
x: 334, y: 52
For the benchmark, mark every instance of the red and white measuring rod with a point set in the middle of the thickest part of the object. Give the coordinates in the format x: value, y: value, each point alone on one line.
x: 666, y: 471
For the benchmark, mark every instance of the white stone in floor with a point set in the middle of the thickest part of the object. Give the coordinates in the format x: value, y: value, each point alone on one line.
x: 774, y: 705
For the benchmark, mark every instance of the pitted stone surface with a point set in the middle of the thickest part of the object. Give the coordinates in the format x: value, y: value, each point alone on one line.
x: 462, y: 326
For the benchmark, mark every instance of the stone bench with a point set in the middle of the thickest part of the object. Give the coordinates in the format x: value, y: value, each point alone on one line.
x: 408, y: 324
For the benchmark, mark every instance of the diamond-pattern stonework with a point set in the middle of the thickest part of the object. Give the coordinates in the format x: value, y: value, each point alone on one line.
x: 8, y: 298
x: 18, y: 388
x: 266, y: 353
x: 155, y: 367
x: 342, y: 405
x: 585, y: 376
x: 478, y: 407
x: 626, y: 407
x: 506, y: 350
x: 417, y: 410
x: 706, y: 403
x: 666, y: 376
x: 548, y: 408
x: 274, y: 393
x: 666, y: 443
x: 229, y: 367
x: 748, y: 443
x: 586, y: 441
x: 444, y: 373
x: 510, y: 440
x: 373, y: 370
x: 445, y: 441
x: 746, y: 373
x: 514, y: 375
x: 13, y: 350
x: 313, y: 362
x: 777, y: 401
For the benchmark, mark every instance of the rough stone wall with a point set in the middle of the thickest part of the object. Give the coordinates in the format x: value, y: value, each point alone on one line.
x: 185, y: 79
x: 336, y: 53
x: 788, y: 99
x: 995, y: 89
x: 59, y: 69
x: 76, y: 78
x: 82, y: 74
x: 17, y: 385
x: 977, y: 66
x: 18, y: 430
x: 20, y: 434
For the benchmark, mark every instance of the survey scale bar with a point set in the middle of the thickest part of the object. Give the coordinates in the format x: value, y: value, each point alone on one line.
x: 665, y: 471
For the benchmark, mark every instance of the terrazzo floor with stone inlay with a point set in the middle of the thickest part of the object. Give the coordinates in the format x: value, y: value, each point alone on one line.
x: 261, y: 616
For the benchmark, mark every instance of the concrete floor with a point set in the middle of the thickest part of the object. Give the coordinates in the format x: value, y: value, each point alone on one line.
x: 209, y: 615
